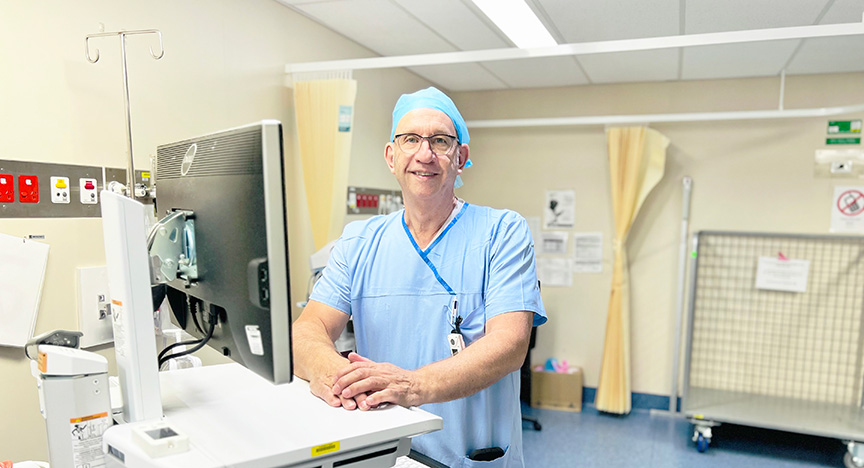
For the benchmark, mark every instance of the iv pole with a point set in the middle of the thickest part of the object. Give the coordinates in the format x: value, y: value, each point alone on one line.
x: 130, y: 174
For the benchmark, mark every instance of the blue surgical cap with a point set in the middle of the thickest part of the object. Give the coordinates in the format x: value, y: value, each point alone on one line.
x: 430, y: 98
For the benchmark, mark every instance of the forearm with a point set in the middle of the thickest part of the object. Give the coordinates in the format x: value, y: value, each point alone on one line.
x: 314, y: 353
x: 475, y: 368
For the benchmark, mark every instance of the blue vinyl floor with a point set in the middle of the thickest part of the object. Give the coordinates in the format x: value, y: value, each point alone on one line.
x: 643, y: 440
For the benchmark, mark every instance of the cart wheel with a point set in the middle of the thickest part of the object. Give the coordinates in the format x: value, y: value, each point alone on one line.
x: 537, y: 426
x: 847, y: 460
x: 701, y: 444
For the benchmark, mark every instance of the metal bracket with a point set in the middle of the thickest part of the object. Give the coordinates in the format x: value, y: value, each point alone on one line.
x: 171, y: 245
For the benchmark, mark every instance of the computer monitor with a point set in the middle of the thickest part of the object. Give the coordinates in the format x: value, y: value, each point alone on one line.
x: 233, y: 184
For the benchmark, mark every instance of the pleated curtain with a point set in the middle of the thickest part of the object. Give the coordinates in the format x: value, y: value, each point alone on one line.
x: 324, y: 111
x: 637, y: 156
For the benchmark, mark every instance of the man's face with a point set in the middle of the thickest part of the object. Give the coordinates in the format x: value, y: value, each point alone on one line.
x: 425, y: 174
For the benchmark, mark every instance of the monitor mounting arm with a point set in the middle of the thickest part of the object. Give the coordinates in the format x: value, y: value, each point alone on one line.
x: 171, y: 245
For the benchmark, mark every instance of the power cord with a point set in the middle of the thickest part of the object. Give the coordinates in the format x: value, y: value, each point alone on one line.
x: 164, y: 357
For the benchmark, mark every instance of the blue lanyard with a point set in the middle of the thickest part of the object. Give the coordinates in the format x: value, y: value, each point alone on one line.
x: 424, y: 254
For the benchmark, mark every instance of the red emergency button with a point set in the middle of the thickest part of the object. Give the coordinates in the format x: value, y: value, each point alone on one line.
x: 89, y: 185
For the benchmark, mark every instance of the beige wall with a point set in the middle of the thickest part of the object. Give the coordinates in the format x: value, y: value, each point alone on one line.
x: 747, y: 176
x: 223, y: 67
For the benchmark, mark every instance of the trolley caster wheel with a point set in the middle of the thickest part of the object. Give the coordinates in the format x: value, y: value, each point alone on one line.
x: 849, y: 461
x: 537, y: 426
x: 702, y: 443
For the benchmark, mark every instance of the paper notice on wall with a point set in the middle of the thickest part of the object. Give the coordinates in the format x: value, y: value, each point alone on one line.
x: 553, y: 243
x: 587, y: 252
x: 22, y: 272
x: 780, y: 274
x: 554, y: 272
x: 847, y: 210
x: 560, y: 209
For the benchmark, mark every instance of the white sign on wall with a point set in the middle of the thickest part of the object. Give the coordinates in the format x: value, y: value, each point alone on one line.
x: 847, y: 210
x: 587, y: 252
x: 553, y: 242
x: 781, y: 274
x: 560, y: 210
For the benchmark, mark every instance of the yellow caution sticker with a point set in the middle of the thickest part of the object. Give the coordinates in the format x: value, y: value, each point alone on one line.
x: 699, y: 416
x: 88, y: 418
x: 145, y: 175
x: 42, y: 362
x: 325, y: 449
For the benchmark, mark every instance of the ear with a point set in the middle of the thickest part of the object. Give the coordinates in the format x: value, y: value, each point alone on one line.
x: 389, y: 156
x: 462, y: 152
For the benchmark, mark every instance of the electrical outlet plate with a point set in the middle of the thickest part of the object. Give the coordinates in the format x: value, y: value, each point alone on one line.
x: 7, y: 188
x: 60, y: 190
x: 28, y: 189
x: 94, y: 319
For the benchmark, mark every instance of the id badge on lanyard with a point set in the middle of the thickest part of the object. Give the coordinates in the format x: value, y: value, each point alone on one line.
x: 454, y: 339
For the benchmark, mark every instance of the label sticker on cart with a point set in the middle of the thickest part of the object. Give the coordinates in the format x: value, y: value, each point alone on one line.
x: 86, y: 433
x: 253, y: 336
x: 325, y: 449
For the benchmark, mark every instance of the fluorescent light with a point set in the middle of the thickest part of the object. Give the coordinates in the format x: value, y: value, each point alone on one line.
x: 515, y: 19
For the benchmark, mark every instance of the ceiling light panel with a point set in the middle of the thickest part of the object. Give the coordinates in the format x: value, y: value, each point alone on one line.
x: 593, y: 20
x: 515, y: 19
x: 380, y: 25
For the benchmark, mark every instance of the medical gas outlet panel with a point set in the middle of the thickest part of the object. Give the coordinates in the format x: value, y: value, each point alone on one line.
x: 47, y: 190
x: 369, y: 201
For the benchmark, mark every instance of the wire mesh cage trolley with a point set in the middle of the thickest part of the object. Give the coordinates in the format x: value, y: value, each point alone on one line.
x: 776, y: 335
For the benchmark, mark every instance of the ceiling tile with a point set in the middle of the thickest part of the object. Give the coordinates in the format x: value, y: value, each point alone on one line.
x: 299, y: 2
x: 380, y: 25
x: 622, y: 67
x: 705, y: 16
x: 736, y: 60
x: 537, y: 73
x: 843, y: 11
x: 829, y: 55
x: 459, y: 77
x: 455, y: 22
x: 595, y: 20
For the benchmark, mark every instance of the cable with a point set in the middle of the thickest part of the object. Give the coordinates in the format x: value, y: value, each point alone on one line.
x: 163, y: 358
x: 201, y: 343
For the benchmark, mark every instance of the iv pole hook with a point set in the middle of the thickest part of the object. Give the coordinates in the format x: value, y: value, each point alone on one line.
x: 130, y: 171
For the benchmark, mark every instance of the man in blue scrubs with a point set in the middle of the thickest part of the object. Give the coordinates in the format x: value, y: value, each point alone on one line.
x: 419, y: 281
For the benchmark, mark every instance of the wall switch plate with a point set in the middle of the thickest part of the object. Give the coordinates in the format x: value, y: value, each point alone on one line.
x: 94, y: 317
x: 60, y: 190
x: 89, y: 188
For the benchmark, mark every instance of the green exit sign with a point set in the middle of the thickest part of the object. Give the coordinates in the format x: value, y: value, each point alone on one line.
x: 841, y: 127
x: 843, y: 141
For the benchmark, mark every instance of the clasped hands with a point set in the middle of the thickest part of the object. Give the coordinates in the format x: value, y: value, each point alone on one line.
x: 367, y: 384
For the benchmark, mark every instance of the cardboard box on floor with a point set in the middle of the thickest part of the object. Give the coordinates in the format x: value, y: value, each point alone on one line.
x: 551, y: 390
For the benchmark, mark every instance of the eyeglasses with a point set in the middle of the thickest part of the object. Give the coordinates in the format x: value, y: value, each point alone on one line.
x: 440, y: 144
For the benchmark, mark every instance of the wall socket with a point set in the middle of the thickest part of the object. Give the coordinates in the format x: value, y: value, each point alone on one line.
x: 94, y: 314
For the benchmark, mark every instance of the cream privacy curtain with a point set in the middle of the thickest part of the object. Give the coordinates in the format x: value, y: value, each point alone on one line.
x: 325, y: 110
x: 637, y: 156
